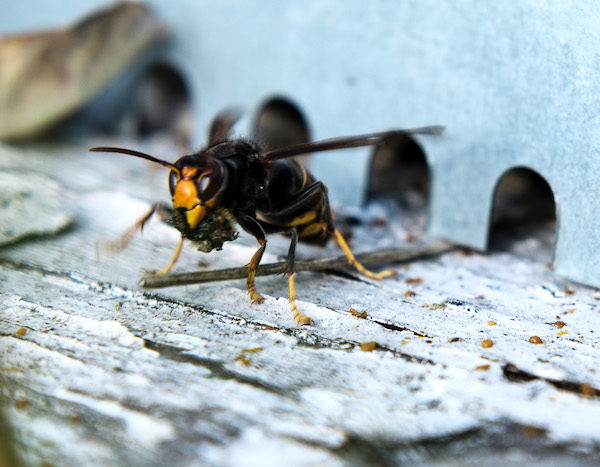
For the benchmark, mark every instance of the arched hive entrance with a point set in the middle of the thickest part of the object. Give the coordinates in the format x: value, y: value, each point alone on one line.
x: 524, y: 216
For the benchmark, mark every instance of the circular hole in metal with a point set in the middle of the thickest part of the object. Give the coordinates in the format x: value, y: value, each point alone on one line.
x: 523, y: 215
x: 280, y: 123
x: 162, y: 105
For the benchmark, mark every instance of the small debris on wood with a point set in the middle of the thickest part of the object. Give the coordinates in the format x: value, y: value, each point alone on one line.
x: 358, y: 314
x: 487, y: 343
x: 410, y: 238
x: 587, y: 390
x: 560, y: 324
x: 413, y: 280
x: 244, y: 359
x: 378, y: 222
x: 536, y: 340
x: 368, y: 346
x: 21, y: 403
x: 75, y: 419
x: 484, y: 367
x: 531, y: 431
x: 21, y: 332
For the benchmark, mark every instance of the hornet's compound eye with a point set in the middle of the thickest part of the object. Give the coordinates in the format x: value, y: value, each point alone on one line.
x: 172, y: 182
x: 203, y: 184
x: 208, y: 185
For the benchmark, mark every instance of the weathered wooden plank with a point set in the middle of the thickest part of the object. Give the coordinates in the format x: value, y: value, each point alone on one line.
x: 96, y: 370
x: 30, y: 205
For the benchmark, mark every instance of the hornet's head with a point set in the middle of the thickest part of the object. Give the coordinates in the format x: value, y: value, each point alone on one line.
x: 194, y: 182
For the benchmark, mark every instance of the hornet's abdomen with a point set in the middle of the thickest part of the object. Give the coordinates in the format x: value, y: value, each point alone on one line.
x: 300, y: 201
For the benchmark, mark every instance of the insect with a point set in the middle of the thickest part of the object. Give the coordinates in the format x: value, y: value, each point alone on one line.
x: 233, y: 182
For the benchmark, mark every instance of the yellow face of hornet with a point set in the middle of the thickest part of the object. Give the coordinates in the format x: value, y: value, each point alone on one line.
x: 194, y: 187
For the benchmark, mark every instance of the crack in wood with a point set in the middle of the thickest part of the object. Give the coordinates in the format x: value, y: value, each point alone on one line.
x: 80, y: 417
x: 216, y: 367
x: 516, y: 375
x: 67, y: 353
x: 318, y: 342
x: 396, y: 327
x: 310, y: 339
x: 487, y: 441
x: 38, y: 236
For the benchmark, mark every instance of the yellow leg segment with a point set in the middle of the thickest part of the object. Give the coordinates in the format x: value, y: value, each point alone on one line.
x: 359, y: 267
x: 124, y: 240
x: 254, y: 262
x: 174, y: 259
x: 300, y: 319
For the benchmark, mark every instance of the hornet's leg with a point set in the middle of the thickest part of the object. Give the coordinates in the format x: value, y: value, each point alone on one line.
x: 252, y: 265
x: 174, y: 259
x: 121, y: 243
x: 359, y: 267
x: 300, y: 319
x: 251, y: 225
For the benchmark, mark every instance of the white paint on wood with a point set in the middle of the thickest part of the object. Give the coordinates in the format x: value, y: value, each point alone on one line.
x: 108, y: 373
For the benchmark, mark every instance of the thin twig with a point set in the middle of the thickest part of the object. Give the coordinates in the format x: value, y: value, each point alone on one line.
x: 380, y: 257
